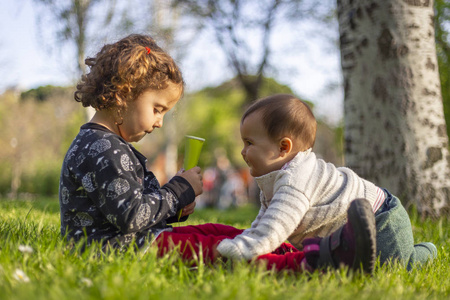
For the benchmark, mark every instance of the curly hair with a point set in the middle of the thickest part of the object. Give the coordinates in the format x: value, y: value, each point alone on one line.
x: 122, y: 71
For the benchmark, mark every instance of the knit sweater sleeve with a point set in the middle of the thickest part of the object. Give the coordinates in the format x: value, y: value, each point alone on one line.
x: 276, y: 224
x: 261, y: 212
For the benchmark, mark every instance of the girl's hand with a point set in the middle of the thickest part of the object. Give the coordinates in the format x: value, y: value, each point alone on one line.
x: 188, y: 209
x: 194, y: 177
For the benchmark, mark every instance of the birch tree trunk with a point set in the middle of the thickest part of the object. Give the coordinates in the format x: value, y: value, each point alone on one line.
x: 395, y: 133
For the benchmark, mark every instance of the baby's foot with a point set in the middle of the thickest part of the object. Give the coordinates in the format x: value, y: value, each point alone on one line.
x: 353, y: 245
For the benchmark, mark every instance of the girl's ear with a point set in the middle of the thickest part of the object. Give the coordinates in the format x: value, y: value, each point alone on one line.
x: 285, y: 146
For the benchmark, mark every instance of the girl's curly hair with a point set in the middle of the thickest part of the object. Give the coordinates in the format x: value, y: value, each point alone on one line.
x: 122, y: 71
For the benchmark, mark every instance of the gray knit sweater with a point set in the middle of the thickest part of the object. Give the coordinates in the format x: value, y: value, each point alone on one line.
x: 307, y: 197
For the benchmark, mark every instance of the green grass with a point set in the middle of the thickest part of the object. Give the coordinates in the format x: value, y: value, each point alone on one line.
x: 54, y: 272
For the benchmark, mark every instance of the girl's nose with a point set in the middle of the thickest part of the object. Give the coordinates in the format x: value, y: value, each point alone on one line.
x: 158, y: 123
x: 243, y: 152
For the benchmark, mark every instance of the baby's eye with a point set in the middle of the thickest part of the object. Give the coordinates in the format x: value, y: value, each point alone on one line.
x: 157, y: 111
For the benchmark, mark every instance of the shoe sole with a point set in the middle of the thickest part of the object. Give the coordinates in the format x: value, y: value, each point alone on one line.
x: 362, y: 219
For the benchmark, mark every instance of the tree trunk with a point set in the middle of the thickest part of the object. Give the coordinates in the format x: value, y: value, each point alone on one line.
x: 395, y: 133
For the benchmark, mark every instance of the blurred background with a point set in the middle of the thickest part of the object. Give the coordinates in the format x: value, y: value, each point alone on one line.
x: 231, y: 53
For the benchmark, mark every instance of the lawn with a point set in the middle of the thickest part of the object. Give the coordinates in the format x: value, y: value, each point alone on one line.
x: 35, y: 263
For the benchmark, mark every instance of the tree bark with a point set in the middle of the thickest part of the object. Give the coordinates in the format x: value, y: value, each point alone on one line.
x: 395, y: 132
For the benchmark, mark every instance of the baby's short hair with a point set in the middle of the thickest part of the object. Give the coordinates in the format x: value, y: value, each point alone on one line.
x: 285, y: 115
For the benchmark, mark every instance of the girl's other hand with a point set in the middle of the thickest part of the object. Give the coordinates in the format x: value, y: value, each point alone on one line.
x: 188, y: 209
x: 194, y: 177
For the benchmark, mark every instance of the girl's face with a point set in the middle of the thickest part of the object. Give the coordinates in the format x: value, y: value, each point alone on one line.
x: 146, y: 112
x: 261, y: 153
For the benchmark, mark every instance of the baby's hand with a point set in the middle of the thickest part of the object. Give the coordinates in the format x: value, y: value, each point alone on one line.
x: 194, y: 177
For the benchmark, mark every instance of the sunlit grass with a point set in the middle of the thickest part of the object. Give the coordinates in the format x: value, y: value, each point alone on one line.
x: 35, y: 263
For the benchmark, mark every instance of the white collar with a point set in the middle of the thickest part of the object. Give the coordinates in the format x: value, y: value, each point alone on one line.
x: 266, y: 182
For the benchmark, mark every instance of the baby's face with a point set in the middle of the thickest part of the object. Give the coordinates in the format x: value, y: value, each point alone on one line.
x: 260, y: 152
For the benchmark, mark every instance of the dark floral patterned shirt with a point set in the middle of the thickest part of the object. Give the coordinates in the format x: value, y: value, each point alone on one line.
x: 107, y: 194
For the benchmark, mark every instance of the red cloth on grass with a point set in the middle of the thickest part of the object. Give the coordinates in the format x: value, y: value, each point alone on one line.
x: 195, y: 243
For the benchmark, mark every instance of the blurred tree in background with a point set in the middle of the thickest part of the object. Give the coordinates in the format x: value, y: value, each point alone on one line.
x: 72, y: 22
x: 244, y: 31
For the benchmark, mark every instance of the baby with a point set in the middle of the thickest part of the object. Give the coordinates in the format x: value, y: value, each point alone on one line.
x: 303, y: 196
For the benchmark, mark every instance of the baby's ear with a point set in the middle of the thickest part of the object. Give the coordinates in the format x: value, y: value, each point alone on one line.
x: 285, y: 146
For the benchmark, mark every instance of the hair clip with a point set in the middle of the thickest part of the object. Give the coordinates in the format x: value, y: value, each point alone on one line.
x: 148, y: 50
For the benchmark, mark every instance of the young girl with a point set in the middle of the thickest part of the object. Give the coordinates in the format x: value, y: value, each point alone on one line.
x: 107, y: 194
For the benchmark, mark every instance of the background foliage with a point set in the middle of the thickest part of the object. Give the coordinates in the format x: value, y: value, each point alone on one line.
x: 41, y: 123
x: 39, y: 126
x: 442, y: 28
